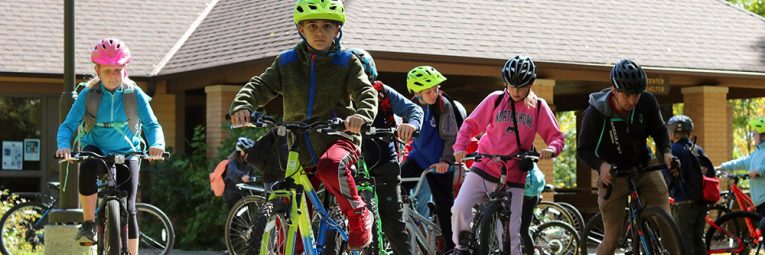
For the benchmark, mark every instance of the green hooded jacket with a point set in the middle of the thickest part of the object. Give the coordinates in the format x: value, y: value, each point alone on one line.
x: 341, y: 89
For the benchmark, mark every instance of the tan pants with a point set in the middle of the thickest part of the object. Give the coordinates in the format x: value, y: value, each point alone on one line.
x: 653, y: 192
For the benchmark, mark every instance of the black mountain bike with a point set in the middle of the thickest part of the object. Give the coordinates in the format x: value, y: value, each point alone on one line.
x: 112, y: 215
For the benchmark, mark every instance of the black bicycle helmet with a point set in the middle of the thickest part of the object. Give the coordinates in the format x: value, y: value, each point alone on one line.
x: 244, y: 144
x: 519, y: 71
x: 680, y: 123
x: 627, y: 76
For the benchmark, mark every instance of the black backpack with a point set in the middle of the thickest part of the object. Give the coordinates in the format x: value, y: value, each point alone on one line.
x: 459, y: 110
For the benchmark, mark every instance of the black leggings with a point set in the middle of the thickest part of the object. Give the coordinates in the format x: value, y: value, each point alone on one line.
x: 443, y: 195
x: 528, y: 212
x: 126, y: 181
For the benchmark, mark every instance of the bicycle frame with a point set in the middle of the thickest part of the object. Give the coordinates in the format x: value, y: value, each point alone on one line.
x: 746, y: 204
x: 414, y: 218
x: 300, y: 220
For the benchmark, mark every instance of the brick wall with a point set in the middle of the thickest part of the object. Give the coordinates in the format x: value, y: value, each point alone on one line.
x: 219, y: 98
x: 165, y: 109
x: 708, y: 108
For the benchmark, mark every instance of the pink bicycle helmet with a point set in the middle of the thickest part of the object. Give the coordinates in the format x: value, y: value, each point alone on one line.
x: 110, y: 51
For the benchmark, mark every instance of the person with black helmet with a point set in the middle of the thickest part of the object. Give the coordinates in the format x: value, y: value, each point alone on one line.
x: 615, y: 129
x: 511, y: 119
x: 237, y: 171
x: 690, y: 209
x: 380, y: 154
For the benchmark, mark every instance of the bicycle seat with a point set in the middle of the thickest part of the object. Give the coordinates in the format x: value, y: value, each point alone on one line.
x: 54, y: 185
x: 549, y: 188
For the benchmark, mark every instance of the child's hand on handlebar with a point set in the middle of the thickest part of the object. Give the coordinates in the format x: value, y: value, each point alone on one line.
x: 547, y: 153
x: 405, y: 131
x: 459, y: 155
x: 65, y: 154
x: 353, y: 124
x: 155, y: 153
x: 241, y: 117
x: 440, y: 167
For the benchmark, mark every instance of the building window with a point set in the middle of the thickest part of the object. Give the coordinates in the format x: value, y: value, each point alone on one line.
x: 21, y: 133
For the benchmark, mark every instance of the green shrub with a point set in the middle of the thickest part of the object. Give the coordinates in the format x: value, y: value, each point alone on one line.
x: 180, y: 187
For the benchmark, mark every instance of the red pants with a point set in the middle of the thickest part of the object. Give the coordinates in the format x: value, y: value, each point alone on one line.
x: 334, y: 169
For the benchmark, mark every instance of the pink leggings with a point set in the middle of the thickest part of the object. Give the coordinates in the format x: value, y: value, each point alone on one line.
x: 473, y: 191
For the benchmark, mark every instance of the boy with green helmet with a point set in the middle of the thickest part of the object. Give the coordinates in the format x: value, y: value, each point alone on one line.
x: 311, y: 78
x: 754, y: 163
x: 432, y: 149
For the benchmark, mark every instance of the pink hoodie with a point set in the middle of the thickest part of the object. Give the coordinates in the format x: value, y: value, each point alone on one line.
x: 501, y: 140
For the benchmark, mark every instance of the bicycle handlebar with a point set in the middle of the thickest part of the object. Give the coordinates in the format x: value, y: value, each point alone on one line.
x: 632, y: 171
x: 531, y: 155
x: 114, y: 157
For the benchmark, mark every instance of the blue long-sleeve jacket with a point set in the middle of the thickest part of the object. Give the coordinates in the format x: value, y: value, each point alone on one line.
x: 111, y: 109
x: 755, y: 162
x: 383, y: 151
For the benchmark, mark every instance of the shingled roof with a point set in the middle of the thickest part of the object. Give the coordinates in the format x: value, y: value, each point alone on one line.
x: 32, y: 34
x: 682, y: 34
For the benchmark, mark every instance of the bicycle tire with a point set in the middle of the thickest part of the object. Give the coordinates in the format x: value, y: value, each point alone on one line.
x: 270, y: 222
x: 18, y: 232
x: 657, y: 224
x: 557, y: 238
x: 547, y: 211
x: 487, y: 237
x: 113, y: 227
x: 575, y: 214
x: 715, y: 212
x: 157, y: 234
x: 734, y: 223
x: 240, y: 222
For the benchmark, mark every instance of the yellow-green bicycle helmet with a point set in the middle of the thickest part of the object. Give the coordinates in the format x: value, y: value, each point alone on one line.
x: 758, y: 125
x: 319, y: 9
x: 423, y: 77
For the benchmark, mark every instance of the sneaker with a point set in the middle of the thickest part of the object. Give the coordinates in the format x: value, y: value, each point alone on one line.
x: 86, y: 236
x: 360, y: 228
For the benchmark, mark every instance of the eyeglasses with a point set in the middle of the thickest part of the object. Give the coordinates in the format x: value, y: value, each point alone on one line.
x: 327, y: 27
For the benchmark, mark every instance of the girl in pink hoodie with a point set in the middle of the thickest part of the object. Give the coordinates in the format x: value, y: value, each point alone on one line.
x: 494, y: 115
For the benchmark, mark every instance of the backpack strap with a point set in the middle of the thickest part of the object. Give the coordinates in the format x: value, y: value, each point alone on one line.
x: 130, y: 106
x: 499, y: 100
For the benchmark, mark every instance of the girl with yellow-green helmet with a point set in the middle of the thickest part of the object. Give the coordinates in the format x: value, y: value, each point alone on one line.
x: 754, y: 163
x: 432, y: 149
x: 317, y: 80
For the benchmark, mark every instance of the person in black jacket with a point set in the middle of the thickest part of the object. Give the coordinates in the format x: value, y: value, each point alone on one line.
x: 237, y: 171
x: 690, y: 209
x: 614, y: 131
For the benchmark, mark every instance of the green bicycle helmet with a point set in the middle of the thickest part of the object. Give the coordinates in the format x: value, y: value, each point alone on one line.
x: 319, y: 9
x: 423, y: 77
x: 758, y: 125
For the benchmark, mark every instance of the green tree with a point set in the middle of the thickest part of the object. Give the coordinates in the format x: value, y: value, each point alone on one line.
x: 755, y: 6
x: 564, y: 168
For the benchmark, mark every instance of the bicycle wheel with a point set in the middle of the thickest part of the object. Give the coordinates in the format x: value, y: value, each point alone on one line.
x: 21, y: 228
x: 731, y: 233
x: 714, y: 213
x: 157, y: 235
x: 556, y: 238
x: 240, y: 223
x: 112, y: 240
x: 660, y: 232
x: 548, y: 211
x: 269, y: 232
x: 575, y: 215
x: 490, y: 230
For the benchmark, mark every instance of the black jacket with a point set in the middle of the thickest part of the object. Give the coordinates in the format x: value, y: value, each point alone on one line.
x: 602, y: 130
x: 688, y: 185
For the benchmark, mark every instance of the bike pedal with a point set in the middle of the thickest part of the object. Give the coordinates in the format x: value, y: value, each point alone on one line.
x: 87, y: 243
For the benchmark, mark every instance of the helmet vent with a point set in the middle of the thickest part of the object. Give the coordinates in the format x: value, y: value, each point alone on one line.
x: 313, y: 7
x: 299, y: 8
